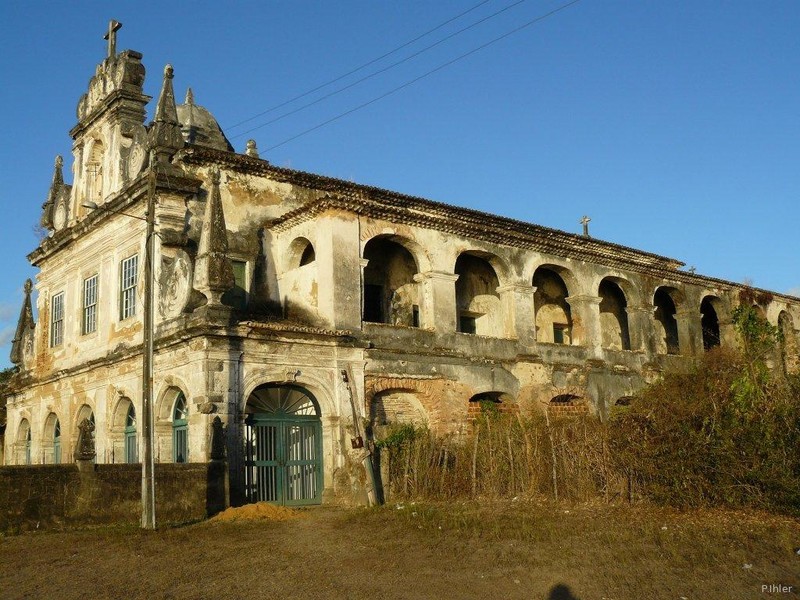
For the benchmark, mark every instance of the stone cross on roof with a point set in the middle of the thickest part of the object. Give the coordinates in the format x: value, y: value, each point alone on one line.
x: 111, y: 36
x: 585, y: 222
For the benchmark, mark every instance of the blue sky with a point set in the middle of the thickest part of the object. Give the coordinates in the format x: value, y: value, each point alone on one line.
x: 674, y: 125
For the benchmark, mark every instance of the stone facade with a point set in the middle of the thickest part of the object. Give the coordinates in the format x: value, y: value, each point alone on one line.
x: 331, y: 304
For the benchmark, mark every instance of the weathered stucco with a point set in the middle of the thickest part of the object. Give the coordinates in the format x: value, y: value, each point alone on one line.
x: 425, y: 307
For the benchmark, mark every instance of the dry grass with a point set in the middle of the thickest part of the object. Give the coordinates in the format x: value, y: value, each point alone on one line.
x: 504, y: 456
x: 433, y: 550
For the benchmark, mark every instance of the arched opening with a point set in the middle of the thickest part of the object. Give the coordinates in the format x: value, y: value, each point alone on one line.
x: 489, y: 404
x: 57, y: 443
x: 180, y: 430
x: 567, y: 405
x: 85, y: 413
x: 24, y: 443
x: 301, y: 253
x: 396, y: 407
x: 283, y: 446
x: 709, y: 322
x: 390, y: 293
x: 51, y: 440
x: 789, y: 345
x: 613, y: 316
x: 477, y: 299
x: 665, y: 321
x: 553, y: 317
x: 131, y: 445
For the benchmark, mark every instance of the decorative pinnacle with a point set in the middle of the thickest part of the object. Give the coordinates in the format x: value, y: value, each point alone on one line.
x: 169, y: 72
x: 59, y: 161
x: 28, y: 286
x: 189, y: 96
x: 251, y: 150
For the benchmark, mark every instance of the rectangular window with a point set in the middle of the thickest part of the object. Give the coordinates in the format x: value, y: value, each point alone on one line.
x: 560, y: 334
x: 240, y: 273
x: 57, y: 320
x: 415, y: 316
x: 89, y: 304
x: 238, y: 295
x: 128, y: 275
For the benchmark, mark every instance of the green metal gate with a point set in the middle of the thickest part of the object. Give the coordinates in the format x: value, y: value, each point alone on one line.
x: 283, y: 447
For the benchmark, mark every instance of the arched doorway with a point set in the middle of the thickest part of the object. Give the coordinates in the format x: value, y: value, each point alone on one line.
x: 283, y: 446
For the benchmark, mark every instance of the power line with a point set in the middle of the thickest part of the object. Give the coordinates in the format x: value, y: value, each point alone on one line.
x: 366, y: 64
x: 379, y: 71
x: 426, y: 74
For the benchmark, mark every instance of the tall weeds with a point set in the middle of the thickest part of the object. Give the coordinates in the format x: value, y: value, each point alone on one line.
x: 726, y: 433
x: 501, y: 456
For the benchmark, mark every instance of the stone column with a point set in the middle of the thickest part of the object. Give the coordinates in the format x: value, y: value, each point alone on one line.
x: 728, y: 337
x: 690, y: 332
x: 640, y: 328
x: 586, y: 332
x: 438, y: 310
x: 516, y: 301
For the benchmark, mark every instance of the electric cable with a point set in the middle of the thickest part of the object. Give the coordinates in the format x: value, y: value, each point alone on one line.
x: 357, y: 69
x: 378, y: 72
x: 426, y: 74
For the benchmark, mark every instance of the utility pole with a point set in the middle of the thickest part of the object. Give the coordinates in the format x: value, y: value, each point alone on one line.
x: 148, y: 466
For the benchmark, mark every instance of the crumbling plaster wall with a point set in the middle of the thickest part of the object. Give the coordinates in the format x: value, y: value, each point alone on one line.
x: 105, y: 387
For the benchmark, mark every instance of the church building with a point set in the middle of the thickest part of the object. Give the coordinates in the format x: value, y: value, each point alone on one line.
x: 303, y: 310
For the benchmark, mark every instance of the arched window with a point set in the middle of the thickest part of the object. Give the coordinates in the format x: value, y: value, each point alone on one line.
x: 553, y: 315
x: 131, y: 447
x: 477, y: 299
x: 180, y: 430
x: 23, y: 444
x: 390, y: 293
x: 710, y: 322
x: 666, y: 322
x: 613, y: 316
x: 57, y: 443
x: 301, y: 253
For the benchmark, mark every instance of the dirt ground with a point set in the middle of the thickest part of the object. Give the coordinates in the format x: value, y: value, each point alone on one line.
x: 417, y: 551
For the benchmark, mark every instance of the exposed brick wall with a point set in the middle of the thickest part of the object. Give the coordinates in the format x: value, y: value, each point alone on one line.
x: 571, y: 408
x: 48, y: 496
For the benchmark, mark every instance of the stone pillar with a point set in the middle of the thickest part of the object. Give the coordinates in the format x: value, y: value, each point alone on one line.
x: 438, y: 310
x: 690, y: 332
x: 640, y: 328
x: 727, y: 333
x: 339, y: 272
x: 586, y: 332
x: 516, y: 301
